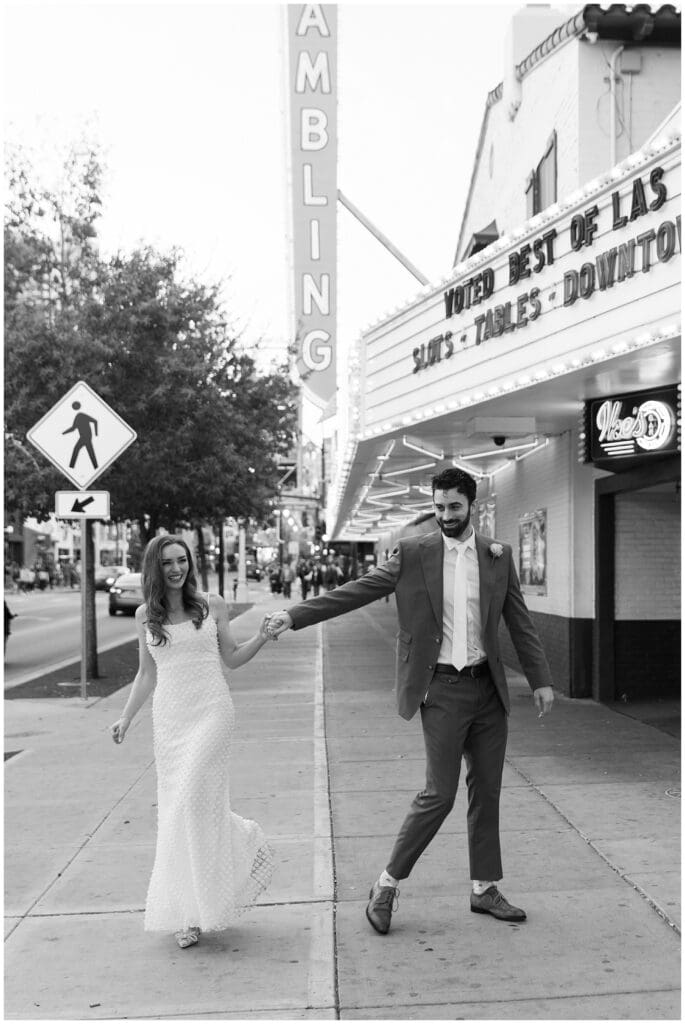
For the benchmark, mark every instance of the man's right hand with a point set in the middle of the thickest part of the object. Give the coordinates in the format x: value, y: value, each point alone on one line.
x: 119, y: 729
x: 279, y: 622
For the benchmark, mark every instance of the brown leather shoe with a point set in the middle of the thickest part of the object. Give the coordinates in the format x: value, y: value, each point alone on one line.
x: 383, y: 899
x: 493, y: 902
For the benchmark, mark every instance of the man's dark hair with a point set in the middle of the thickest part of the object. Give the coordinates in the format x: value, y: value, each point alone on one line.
x: 455, y: 478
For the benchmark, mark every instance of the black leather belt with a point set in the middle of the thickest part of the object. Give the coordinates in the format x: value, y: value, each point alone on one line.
x: 481, y: 669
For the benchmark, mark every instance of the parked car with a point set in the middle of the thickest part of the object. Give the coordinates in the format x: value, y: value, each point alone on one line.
x: 252, y: 570
x: 126, y: 594
x: 105, y: 575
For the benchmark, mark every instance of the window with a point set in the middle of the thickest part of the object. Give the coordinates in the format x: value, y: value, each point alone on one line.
x: 481, y: 239
x: 541, y: 185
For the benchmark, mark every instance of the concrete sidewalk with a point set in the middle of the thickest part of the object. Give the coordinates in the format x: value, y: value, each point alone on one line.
x: 590, y: 821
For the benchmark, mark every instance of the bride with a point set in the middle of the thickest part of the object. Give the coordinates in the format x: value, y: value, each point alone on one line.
x: 209, y: 862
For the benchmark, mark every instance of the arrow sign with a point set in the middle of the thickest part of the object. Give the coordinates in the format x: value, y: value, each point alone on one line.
x: 81, y: 435
x: 82, y: 504
x: 79, y: 505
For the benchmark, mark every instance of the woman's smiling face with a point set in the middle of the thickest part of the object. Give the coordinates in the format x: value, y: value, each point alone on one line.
x: 174, y: 566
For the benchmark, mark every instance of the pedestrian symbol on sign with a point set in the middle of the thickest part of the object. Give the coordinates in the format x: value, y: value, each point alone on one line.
x: 98, y: 429
x: 82, y: 423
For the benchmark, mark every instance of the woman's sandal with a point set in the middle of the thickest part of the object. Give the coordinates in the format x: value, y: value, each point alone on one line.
x: 187, y: 937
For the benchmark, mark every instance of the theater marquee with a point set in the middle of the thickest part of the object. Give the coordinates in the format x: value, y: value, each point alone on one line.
x: 626, y: 250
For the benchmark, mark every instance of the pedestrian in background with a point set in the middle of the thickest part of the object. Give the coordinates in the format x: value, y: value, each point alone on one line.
x: 209, y: 862
x: 287, y: 577
x: 8, y: 619
x: 452, y: 586
x: 304, y: 572
x: 317, y: 578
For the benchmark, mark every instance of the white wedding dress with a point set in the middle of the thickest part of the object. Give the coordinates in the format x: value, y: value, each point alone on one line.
x: 210, y: 863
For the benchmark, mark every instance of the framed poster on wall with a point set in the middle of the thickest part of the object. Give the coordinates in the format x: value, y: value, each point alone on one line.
x: 485, y: 517
x: 533, y: 552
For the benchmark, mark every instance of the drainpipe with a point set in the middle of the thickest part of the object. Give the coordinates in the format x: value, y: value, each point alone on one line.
x: 612, y: 92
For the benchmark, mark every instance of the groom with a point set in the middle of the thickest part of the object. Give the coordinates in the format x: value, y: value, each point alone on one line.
x: 452, y: 586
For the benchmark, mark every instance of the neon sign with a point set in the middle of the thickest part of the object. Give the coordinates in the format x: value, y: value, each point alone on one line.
x: 641, y: 424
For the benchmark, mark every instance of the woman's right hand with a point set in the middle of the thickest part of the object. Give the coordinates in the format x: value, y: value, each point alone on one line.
x: 119, y: 729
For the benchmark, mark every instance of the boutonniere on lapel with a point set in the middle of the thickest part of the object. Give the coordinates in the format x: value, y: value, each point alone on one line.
x: 496, y: 551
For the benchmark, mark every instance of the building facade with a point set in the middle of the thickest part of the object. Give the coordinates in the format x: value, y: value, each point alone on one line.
x: 547, y: 361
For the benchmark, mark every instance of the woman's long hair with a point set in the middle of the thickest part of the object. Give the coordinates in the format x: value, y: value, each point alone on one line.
x: 154, y: 589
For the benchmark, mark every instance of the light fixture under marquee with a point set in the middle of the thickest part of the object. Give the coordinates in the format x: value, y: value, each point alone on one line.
x: 408, y: 443
x: 409, y: 469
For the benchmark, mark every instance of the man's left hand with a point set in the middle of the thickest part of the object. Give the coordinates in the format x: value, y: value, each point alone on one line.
x: 544, y: 698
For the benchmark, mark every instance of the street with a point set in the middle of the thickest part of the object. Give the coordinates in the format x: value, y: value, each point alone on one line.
x: 47, y: 630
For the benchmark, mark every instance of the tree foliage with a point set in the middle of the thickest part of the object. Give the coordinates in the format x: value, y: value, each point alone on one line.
x: 154, y: 345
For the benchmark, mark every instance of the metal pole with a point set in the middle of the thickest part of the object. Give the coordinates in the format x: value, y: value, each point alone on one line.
x: 613, y: 100
x: 84, y: 609
x: 382, y: 238
x: 241, y: 593
x: 222, y: 555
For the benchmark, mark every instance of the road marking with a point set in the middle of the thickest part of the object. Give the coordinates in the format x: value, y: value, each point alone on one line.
x: 34, y: 618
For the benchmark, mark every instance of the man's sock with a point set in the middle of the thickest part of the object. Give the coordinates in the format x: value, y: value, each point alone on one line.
x: 480, y: 887
x: 387, y: 879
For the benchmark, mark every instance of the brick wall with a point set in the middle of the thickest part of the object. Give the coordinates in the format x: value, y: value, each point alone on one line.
x: 554, y: 480
x: 568, y: 648
x: 647, y: 577
x: 543, y: 480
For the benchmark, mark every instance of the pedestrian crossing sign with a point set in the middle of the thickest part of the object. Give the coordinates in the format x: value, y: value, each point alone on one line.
x: 81, y: 435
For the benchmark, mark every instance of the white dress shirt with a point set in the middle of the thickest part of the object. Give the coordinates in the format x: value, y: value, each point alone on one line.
x: 474, y: 626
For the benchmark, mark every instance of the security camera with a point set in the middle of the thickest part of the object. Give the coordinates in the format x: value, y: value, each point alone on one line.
x: 499, y: 440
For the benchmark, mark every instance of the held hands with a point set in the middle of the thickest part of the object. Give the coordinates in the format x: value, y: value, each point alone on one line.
x: 278, y: 623
x: 544, y: 698
x: 119, y: 729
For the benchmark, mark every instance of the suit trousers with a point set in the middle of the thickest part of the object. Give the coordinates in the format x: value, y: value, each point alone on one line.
x: 461, y: 716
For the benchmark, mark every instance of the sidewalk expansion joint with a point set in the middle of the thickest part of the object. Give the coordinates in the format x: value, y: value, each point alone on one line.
x: 542, y: 996
x: 270, y: 1012
x: 321, y: 696
x: 109, y: 912
x: 653, y: 905
x: 80, y: 849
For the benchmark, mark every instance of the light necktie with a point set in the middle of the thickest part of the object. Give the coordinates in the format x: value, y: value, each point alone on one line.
x: 459, y: 651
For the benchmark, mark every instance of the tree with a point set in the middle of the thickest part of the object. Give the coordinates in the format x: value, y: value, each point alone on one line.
x: 159, y: 349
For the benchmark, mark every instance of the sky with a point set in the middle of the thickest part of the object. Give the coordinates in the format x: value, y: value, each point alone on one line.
x: 188, y: 102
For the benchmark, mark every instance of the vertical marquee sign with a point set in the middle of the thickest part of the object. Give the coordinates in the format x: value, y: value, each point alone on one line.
x: 312, y: 90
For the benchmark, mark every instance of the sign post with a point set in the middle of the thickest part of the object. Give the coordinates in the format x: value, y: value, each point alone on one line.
x: 85, y: 530
x: 82, y: 436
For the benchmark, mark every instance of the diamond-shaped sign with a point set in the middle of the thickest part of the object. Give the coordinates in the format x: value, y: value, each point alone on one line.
x: 81, y: 435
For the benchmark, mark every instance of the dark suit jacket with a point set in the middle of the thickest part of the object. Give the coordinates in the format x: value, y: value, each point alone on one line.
x: 414, y: 573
